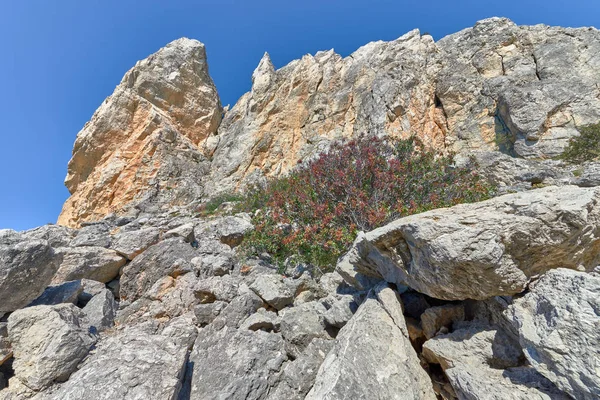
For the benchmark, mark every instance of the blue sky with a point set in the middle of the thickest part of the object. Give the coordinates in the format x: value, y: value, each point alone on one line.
x: 60, y: 59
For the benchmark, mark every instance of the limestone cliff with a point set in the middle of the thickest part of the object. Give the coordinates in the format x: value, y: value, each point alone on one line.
x: 144, y: 143
x: 159, y: 139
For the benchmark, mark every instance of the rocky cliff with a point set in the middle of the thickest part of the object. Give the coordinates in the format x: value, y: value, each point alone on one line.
x: 159, y: 139
x: 140, y: 297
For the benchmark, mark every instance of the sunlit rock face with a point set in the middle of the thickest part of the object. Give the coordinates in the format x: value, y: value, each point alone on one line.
x: 162, y: 138
x: 144, y: 144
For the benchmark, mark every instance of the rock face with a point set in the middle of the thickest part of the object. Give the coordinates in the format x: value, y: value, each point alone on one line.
x: 558, y: 324
x: 48, y: 342
x: 493, y: 86
x: 145, y: 141
x: 159, y: 139
x: 485, y: 249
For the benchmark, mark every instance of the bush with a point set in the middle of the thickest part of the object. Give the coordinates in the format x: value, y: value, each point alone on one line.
x: 585, y: 147
x: 212, y: 205
x: 315, y: 212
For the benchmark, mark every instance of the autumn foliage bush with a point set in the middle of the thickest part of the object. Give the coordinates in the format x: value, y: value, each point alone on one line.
x: 314, y: 213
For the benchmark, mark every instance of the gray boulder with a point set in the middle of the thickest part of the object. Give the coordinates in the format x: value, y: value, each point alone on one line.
x: 67, y: 292
x: 235, y: 364
x: 101, y: 310
x: 5, y: 348
x: 482, y: 362
x: 483, y: 249
x: 55, y: 235
x: 48, y: 343
x: 301, y: 324
x: 372, y: 357
x: 130, y: 244
x: 558, y: 322
x: 26, y: 268
x: 265, y: 320
x: 88, y: 262
x: 273, y: 290
x: 168, y: 258
x: 131, y: 365
x: 94, y: 234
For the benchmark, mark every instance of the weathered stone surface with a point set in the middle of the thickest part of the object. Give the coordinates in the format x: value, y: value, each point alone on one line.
x: 146, y: 141
x: 132, y: 243
x: 301, y: 324
x: 484, y: 249
x: 238, y: 310
x: 101, y: 310
x: 67, y: 292
x: 265, y: 320
x: 92, y: 234
x: 168, y: 258
x: 55, y: 235
x: 222, y: 288
x: 340, y: 308
x: 299, y: 375
x: 372, y: 358
x: 185, y: 231
x: 206, y: 313
x: 273, y: 290
x: 5, y: 348
x: 90, y: 289
x: 482, y: 362
x: 95, y: 263
x: 435, y: 318
x: 558, y: 322
x: 131, y: 365
x: 229, y: 230
x: 235, y: 364
x: 26, y: 268
x: 48, y: 342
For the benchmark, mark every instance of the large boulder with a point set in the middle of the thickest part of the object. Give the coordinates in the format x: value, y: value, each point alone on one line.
x: 26, y: 268
x: 130, y: 244
x: 482, y: 362
x: 130, y: 365
x: 89, y: 262
x: 484, y: 249
x: 372, y: 357
x: 145, y: 143
x: 558, y: 322
x: 48, y: 343
x: 235, y: 364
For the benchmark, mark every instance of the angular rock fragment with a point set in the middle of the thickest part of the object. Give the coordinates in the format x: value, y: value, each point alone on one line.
x: 89, y: 262
x: 558, y: 322
x: 301, y: 324
x: 101, y: 310
x: 48, y: 342
x: 130, y: 244
x: 273, y: 290
x: 130, y: 365
x: 67, y: 292
x: 26, y: 268
x: 436, y: 318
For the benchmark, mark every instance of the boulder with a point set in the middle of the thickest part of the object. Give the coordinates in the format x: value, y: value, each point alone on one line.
x: 265, y: 320
x: 55, y: 235
x: 206, y: 313
x: 130, y: 244
x: 558, y: 322
x: 229, y: 230
x: 168, y: 258
x: 90, y: 289
x: 485, y: 249
x: 301, y: 324
x: 372, y: 357
x: 89, y: 262
x: 273, y: 290
x: 235, y: 364
x: 482, y: 362
x: 221, y: 288
x: 26, y: 268
x: 5, y: 348
x: 48, y: 343
x: 185, y: 231
x: 92, y: 234
x: 131, y: 365
x: 101, y: 310
x: 67, y: 292
x: 240, y: 308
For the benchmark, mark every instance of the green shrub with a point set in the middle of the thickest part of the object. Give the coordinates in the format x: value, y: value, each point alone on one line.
x: 212, y: 205
x: 585, y: 147
x: 315, y: 212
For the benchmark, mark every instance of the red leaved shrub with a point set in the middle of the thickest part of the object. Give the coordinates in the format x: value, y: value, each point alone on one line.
x: 315, y: 212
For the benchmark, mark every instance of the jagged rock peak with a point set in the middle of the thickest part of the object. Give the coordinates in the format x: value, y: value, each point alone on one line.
x: 145, y: 144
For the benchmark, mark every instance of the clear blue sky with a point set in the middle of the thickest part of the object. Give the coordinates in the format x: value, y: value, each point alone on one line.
x: 61, y: 58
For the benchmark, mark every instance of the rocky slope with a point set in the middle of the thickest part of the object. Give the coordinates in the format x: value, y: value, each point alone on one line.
x: 491, y: 300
